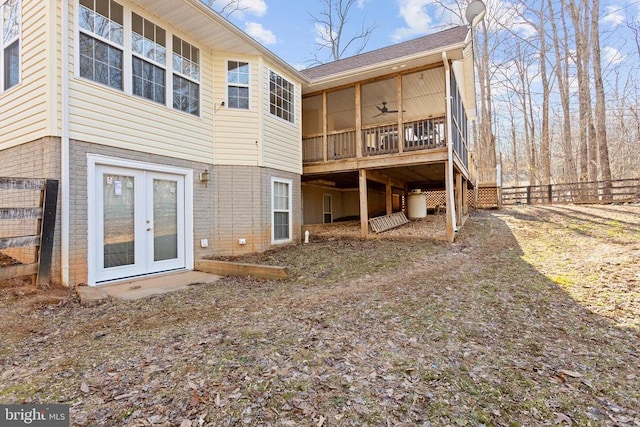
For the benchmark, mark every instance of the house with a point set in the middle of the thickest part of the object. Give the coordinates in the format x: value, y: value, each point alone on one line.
x: 176, y: 136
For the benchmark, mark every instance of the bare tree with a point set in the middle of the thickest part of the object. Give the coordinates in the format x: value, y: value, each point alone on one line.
x: 581, y: 56
x: 562, y: 76
x: 601, y: 117
x: 634, y: 26
x: 225, y: 8
x: 545, y: 144
x: 332, y: 26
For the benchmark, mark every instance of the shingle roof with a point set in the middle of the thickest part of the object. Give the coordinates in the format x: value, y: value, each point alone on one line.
x: 423, y: 44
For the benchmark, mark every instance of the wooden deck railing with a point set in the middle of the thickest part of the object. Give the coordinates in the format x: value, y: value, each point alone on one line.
x: 621, y: 190
x: 376, y: 140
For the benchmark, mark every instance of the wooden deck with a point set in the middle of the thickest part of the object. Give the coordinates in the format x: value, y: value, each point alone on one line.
x: 378, y: 140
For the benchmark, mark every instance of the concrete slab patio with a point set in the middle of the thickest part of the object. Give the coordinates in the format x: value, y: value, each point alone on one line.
x: 144, y: 287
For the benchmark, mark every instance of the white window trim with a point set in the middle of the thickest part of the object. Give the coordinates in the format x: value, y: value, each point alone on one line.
x: 126, y: 39
x: 95, y: 159
x: 180, y: 74
x: 289, y: 183
x: 165, y: 66
x: 127, y: 59
x: 248, y: 85
x: 295, y: 89
x: 4, y: 46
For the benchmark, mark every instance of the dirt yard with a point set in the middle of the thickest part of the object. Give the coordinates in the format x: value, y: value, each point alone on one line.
x: 532, y: 317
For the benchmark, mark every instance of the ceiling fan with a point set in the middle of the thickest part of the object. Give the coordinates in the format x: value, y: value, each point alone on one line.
x: 384, y: 109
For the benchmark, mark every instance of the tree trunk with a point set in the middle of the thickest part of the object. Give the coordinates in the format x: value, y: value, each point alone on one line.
x: 562, y: 74
x: 545, y: 150
x: 487, y: 142
x: 582, y: 52
x: 601, y: 119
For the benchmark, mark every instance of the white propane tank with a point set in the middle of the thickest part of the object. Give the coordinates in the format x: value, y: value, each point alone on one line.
x: 417, y: 204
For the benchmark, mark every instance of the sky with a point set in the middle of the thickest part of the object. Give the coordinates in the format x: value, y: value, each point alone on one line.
x: 286, y: 27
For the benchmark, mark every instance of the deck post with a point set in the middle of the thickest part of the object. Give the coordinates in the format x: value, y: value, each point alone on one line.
x: 465, y: 197
x: 458, y: 194
x: 358, y: 120
x: 400, y: 115
x: 449, y: 202
x: 449, y: 184
x: 389, y: 197
x: 364, y: 204
x: 325, y: 122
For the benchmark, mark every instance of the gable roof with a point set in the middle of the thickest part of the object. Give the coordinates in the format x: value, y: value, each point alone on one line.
x: 429, y: 43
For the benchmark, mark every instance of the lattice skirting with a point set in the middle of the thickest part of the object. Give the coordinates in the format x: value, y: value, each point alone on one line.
x: 488, y: 197
x: 435, y: 199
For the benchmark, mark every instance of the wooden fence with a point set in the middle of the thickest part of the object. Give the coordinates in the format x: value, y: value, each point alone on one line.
x: 16, y: 209
x: 621, y: 190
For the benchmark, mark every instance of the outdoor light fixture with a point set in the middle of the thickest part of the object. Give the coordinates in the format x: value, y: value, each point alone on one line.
x: 421, y: 81
x: 205, y: 177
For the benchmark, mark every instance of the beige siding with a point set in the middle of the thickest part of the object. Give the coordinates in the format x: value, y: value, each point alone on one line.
x: 282, y: 147
x: 111, y: 117
x: 237, y: 140
x: 23, y: 108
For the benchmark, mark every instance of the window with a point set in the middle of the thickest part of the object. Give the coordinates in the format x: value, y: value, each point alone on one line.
x: 10, y: 46
x: 281, y: 207
x: 281, y: 94
x: 238, y: 81
x: 101, y: 42
x: 186, y: 77
x: 327, y: 208
x: 149, y: 58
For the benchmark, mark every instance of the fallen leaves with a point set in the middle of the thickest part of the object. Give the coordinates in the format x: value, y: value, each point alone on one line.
x: 368, y: 332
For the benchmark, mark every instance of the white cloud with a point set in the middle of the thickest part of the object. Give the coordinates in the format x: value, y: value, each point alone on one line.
x: 414, y: 13
x: 322, y: 34
x: 258, y: 32
x: 614, y: 16
x: 252, y: 7
x: 611, y: 55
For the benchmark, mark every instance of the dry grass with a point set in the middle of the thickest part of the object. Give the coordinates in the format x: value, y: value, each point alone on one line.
x: 531, y: 318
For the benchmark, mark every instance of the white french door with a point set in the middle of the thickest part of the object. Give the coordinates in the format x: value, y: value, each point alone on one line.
x: 139, y: 222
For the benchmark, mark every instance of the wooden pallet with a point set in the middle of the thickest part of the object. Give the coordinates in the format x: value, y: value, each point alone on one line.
x: 387, y: 222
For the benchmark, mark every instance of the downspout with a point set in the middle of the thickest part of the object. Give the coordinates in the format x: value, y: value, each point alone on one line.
x: 451, y: 213
x: 64, y: 149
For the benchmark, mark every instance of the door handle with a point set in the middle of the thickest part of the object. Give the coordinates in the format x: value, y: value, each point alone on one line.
x: 148, y: 228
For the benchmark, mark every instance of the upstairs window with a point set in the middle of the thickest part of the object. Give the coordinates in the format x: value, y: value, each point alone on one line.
x: 101, y: 42
x: 281, y: 93
x: 10, y: 46
x: 149, y: 59
x: 186, y: 77
x: 238, y: 84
